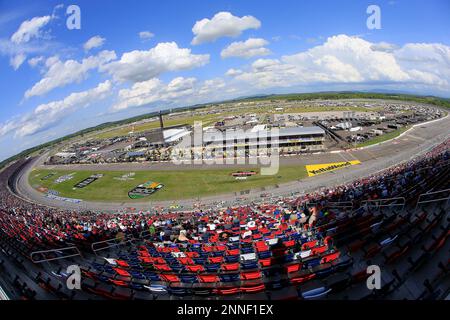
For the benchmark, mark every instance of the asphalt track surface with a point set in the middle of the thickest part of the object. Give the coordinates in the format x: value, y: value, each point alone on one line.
x: 417, y: 140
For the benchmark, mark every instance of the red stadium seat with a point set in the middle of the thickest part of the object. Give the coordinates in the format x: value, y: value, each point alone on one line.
x: 303, y: 278
x: 289, y: 243
x: 330, y: 257
x: 122, y: 272
x: 119, y: 283
x: 309, y: 244
x: 208, y: 278
x: 226, y: 291
x: 293, y: 267
x: 319, y: 250
x: 162, y: 267
x: 186, y: 261
x: 233, y: 252
x: 215, y: 259
x: 267, y: 262
x: 253, y: 289
x: 192, y: 254
x: 195, y: 268
x: 251, y: 275
x: 122, y: 263
x: 230, y: 266
x: 170, y: 278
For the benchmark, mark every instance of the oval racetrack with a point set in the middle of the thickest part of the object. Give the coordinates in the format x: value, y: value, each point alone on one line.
x: 415, y: 141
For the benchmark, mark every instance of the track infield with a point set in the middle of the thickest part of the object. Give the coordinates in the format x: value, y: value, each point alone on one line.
x: 113, y: 186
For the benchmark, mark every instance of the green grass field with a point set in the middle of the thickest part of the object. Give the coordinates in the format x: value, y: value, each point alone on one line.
x: 177, y: 184
x: 384, y: 137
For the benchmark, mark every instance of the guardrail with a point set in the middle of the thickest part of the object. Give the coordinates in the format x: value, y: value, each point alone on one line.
x: 381, y: 203
x: 445, y: 198
x: 43, y: 252
x: 333, y: 204
x: 111, y: 243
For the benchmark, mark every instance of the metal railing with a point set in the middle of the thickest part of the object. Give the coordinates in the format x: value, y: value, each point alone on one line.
x: 381, y: 203
x: 444, y: 197
x: 43, y: 252
x: 333, y: 204
x: 111, y: 243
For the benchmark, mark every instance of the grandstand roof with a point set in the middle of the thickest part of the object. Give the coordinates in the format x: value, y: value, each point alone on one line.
x: 241, y: 134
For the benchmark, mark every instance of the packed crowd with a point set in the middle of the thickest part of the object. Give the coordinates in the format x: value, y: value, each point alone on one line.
x: 55, y: 228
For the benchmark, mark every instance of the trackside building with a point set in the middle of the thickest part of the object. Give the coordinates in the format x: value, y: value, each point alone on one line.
x: 289, y: 140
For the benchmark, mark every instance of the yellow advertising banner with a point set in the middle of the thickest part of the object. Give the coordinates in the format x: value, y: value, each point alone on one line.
x: 315, y: 169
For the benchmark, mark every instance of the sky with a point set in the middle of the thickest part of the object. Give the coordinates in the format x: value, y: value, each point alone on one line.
x: 61, y: 72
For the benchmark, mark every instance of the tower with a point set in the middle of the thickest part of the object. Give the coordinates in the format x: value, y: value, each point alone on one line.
x: 161, y: 123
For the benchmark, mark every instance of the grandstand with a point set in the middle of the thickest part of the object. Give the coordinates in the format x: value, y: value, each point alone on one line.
x: 313, y: 246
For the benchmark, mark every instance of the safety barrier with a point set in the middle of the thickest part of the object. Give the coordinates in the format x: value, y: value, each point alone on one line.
x: 381, y: 203
x: 110, y: 243
x: 58, y: 251
x: 333, y: 204
x: 444, y: 195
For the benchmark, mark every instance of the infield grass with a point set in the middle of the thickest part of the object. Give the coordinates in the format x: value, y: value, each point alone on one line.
x: 178, y: 184
x: 384, y: 137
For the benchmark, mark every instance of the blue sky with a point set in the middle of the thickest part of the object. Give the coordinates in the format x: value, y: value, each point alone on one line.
x: 132, y: 57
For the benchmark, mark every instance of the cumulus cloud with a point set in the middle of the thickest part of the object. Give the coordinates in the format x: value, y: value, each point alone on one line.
x: 348, y: 60
x: 17, y: 53
x: 145, y: 35
x: 384, y: 46
x: 48, y: 114
x: 17, y: 60
x: 223, y: 24
x: 246, y: 49
x: 179, y: 90
x: 61, y: 73
x: 340, y: 59
x: 33, y: 62
x: 427, y: 63
x: 138, y: 65
x: 212, y: 86
x: 94, y: 42
x: 20, y: 43
x: 30, y: 29
x: 152, y: 90
x: 233, y: 72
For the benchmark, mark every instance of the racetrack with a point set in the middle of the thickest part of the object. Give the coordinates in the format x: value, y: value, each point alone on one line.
x: 415, y: 141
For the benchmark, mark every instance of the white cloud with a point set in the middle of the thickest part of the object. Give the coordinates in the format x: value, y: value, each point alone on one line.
x: 48, y: 114
x: 384, y: 46
x: 347, y: 60
x: 94, y: 42
x: 341, y: 59
x: 30, y: 29
x: 60, y: 73
x: 427, y: 63
x: 233, y: 72
x: 17, y: 60
x: 211, y: 86
x: 153, y: 90
x: 15, y: 52
x: 223, y: 24
x: 179, y: 91
x: 20, y: 43
x: 138, y: 65
x: 145, y: 35
x: 33, y: 62
x: 246, y: 49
